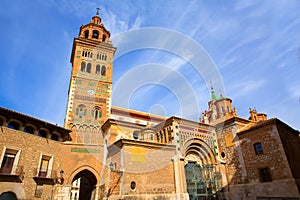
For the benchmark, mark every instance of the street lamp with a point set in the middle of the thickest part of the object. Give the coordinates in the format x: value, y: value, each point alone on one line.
x: 113, y: 166
x: 60, y: 179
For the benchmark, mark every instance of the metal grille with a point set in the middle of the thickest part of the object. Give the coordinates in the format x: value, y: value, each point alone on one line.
x: 201, y: 181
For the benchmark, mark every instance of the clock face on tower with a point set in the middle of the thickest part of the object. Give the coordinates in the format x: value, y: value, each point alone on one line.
x: 91, y: 92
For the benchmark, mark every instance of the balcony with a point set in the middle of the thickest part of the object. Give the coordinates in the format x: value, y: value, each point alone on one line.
x: 41, y: 177
x: 7, y: 174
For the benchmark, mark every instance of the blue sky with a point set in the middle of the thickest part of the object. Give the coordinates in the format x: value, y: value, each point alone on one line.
x: 255, y: 46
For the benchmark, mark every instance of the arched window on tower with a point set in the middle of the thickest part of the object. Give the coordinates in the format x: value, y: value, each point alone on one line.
x: 81, y: 110
x: 88, y: 68
x: 83, y: 53
x: 95, y: 34
x: 98, y: 69
x: 223, y: 111
x: 96, y: 112
x: 103, y: 71
x: 82, y: 67
x: 86, y: 34
x: 103, y: 38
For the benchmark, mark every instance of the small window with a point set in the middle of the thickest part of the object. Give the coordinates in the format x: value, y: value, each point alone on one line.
x: 82, y: 53
x: 45, y: 166
x: 103, y: 38
x: 228, y: 110
x: 265, y: 174
x: 81, y: 110
x: 13, y: 125
x: 83, y: 67
x: 223, y: 154
x: 132, y: 185
x: 258, y: 148
x: 103, y: 71
x: 95, y: 34
x: 9, y: 161
x: 86, y: 34
x: 223, y: 111
x: 54, y: 137
x: 88, y: 68
x: 29, y: 129
x: 42, y: 133
x: 97, y: 113
x: 98, y: 69
x: 135, y: 135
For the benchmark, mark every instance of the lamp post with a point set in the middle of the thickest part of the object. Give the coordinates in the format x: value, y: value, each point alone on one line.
x: 60, y: 179
x: 113, y: 166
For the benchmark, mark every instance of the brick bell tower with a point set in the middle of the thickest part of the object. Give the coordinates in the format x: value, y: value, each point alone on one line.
x: 89, y: 96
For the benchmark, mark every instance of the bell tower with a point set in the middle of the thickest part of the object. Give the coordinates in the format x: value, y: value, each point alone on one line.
x: 89, y: 96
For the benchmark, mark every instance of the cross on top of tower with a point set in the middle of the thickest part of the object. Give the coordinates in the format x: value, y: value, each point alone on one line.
x: 97, y: 13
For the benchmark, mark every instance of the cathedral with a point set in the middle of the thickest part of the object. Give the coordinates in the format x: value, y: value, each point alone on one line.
x: 107, y: 152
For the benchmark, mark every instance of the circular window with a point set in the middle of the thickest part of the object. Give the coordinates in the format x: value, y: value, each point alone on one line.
x: 223, y: 154
x: 132, y: 185
x: 135, y: 135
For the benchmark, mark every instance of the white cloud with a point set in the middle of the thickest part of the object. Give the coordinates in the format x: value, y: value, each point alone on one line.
x: 240, y: 88
x: 294, y: 91
x: 240, y: 5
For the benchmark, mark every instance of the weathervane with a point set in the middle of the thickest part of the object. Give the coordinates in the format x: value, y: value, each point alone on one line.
x: 97, y: 13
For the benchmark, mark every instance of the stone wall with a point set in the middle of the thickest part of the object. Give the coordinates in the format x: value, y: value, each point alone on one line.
x: 230, y: 148
x: 146, y: 166
x: 273, y: 157
x: 31, y: 148
x: 71, y: 158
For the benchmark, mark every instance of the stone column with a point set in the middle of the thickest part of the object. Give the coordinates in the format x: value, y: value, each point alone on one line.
x: 180, y: 180
x: 62, y: 192
x: 5, y: 123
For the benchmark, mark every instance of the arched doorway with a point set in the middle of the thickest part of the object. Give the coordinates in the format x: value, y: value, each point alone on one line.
x: 8, y: 196
x: 201, y: 183
x: 203, y: 178
x: 84, y: 186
